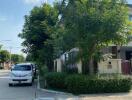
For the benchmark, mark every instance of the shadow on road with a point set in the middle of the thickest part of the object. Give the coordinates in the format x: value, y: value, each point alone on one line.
x: 21, y: 85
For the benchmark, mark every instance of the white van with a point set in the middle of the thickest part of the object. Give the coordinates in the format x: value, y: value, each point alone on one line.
x: 21, y: 73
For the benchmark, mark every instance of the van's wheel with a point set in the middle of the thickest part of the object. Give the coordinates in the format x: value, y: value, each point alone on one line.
x: 10, y: 84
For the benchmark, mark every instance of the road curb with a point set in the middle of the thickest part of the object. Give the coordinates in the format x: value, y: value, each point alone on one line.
x: 4, y: 71
x: 51, y: 91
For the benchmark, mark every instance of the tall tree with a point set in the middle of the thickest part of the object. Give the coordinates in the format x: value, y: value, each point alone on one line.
x: 94, y: 24
x: 29, y: 58
x: 37, y: 30
x: 0, y: 47
x: 4, y: 56
x: 16, y: 58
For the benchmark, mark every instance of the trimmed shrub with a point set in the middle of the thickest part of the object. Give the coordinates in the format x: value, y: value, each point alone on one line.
x: 56, y: 80
x: 84, y: 84
x: 80, y: 84
x: 73, y: 70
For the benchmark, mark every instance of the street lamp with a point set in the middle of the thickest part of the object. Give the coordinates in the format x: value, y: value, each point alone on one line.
x: 10, y: 55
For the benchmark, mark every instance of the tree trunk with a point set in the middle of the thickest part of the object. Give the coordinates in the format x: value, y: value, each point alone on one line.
x: 88, y: 67
x: 85, y: 67
x: 91, y: 66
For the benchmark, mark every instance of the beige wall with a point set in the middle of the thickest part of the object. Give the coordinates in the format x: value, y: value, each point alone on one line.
x: 6, y: 65
x: 59, y: 65
x: 114, y: 67
x: 103, y: 67
x: 79, y: 66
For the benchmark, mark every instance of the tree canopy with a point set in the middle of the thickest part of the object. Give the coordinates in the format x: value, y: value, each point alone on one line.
x: 89, y: 25
x: 37, y: 30
x: 4, y: 56
x: 16, y: 58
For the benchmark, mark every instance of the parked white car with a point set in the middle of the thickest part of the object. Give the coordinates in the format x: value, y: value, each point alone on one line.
x: 21, y: 73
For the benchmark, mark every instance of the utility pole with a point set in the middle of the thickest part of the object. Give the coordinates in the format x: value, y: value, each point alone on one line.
x: 10, y: 59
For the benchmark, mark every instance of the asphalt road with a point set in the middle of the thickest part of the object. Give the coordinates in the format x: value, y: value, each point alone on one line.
x: 22, y: 92
x: 25, y: 92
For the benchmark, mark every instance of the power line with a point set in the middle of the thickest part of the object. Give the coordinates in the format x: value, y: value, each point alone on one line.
x: 5, y: 40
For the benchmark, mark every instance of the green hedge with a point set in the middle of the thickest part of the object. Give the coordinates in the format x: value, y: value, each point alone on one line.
x: 73, y: 70
x: 82, y: 84
x: 56, y: 80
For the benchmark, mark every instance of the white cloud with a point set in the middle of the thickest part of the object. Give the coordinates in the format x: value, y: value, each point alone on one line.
x: 3, y: 18
x: 34, y: 1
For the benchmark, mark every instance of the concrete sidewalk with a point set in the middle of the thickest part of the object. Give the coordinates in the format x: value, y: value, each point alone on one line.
x: 4, y: 71
x: 105, y: 96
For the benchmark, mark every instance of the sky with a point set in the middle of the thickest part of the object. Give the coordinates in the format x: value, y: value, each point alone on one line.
x: 12, y: 14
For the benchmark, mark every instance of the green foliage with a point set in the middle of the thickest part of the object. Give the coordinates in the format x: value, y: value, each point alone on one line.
x: 56, y: 80
x: 73, y: 70
x: 43, y: 70
x: 4, y: 56
x: 0, y: 46
x: 82, y: 85
x: 92, y: 25
x: 37, y: 31
x: 29, y: 58
x: 16, y: 58
x: 89, y: 25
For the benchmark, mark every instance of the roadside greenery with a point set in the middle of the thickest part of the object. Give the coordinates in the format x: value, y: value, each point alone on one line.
x: 92, y: 25
x: 84, y: 84
x: 38, y: 28
x: 16, y: 58
x: 89, y: 25
x: 56, y: 80
x: 5, y: 56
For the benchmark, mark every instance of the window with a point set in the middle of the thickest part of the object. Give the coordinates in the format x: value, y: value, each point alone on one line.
x: 22, y: 68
